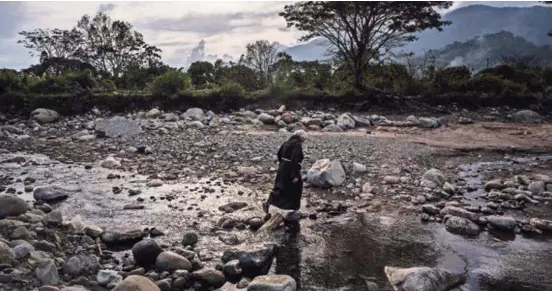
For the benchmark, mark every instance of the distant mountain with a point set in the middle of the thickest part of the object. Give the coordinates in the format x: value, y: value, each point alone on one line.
x: 315, y: 49
x: 489, y: 49
x: 533, y: 23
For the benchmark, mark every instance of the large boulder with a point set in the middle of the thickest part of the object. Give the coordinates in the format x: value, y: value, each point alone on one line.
x: 423, y: 278
x: 196, y: 114
x: 49, y: 194
x: 462, y: 226
x: 433, y: 178
x: 145, y: 252
x: 6, y: 254
x: 170, y: 261
x: 44, y: 115
x: 273, y: 283
x: 332, y: 128
x: 527, y: 116
x: 346, y: 121
x: 117, y: 127
x: 325, y: 173
x: 136, y: 283
x: 256, y: 263
x: 11, y: 205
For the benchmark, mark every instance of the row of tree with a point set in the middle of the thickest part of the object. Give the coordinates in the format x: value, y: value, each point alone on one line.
x: 362, y: 36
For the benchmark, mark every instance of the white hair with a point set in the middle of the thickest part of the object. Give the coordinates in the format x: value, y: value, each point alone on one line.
x: 301, y: 134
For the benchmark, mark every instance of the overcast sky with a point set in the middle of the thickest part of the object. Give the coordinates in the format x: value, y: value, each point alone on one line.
x: 175, y: 27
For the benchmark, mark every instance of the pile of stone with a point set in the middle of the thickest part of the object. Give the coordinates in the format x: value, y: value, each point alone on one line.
x: 503, y: 195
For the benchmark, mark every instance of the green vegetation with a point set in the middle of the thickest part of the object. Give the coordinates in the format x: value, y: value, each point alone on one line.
x: 76, y: 73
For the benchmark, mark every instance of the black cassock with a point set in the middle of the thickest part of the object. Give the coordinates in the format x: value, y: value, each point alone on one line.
x: 286, y: 194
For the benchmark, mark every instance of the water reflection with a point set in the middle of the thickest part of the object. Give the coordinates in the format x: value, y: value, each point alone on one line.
x: 288, y: 257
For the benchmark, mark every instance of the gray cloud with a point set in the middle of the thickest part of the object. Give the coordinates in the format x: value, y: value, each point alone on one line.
x: 206, y: 24
x: 105, y: 8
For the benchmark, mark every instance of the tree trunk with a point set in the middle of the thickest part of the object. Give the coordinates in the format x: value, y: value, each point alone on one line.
x: 358, y: 77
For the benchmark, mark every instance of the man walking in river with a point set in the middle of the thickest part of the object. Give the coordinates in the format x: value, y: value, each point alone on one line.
x: 288, y: 187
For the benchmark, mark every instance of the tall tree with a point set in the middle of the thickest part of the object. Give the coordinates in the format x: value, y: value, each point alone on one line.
x: 201, y: 73
x: 363, y: 32
x: 47, y: 44
x: 261, y: 55
x: 111, y: 46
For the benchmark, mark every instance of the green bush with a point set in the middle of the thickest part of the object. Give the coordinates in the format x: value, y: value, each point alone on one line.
x: 11, y: 81
x: 231, y: 90
x: 73, y: 82
x: 170, y: 83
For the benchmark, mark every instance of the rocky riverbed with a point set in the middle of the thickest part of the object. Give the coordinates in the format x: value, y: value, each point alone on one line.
x: 174, y: 200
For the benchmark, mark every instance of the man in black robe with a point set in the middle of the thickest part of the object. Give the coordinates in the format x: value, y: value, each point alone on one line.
x: 288, y: 187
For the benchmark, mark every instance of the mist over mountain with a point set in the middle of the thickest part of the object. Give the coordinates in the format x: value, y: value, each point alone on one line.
x: 531, y: 23
x: 488, y: 50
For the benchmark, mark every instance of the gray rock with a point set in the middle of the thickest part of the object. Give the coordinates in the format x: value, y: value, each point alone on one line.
x: 273, y: 283
x: 432, y: 178
x: 527, y: 116
x: 430, y: 209
x: 170, y: 261
x: 154, y: 113
x: 110, y: 163
x: 117, y: 127
x: 48, y: 288
x: 49, y: 194
x: 422, y: 278
x: 195, y: 114
x: 502, y: 222
x: 122, y: 236
x: 11, y: 205
x: 81, y: 265
x: 23, y: 250
x: 106, y: 277
x: 196, y: 124
x: 360, y: 121
x: 494, y: 185
x: 359, y: 168
x: 325, y: 173
x: 189, y: 239
x: 136, y: 283
x: 145, y: 252
x: 154, y: 183
x: 44, y: 115
x: 465, y: 120
x: 165, y: 284
x: 428, y: 122
x: 47, y: 273
x: 537, y: 187
x: 346, y: 121
x: 211, y: 277
x: 54, y: 218
x: 6, y: 254
x: 447, y: 187
x: 170, y: 117
x: 332, y: 128
x: 461, y: 226
x: 266, y: 118
x: 460, y: 212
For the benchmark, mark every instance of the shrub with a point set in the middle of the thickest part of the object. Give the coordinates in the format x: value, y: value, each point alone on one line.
x: 231, y: 90
x: 170, y: 83
x: 11, y: 81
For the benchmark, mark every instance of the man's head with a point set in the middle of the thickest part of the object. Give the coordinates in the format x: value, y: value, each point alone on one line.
x: 301, y: 134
